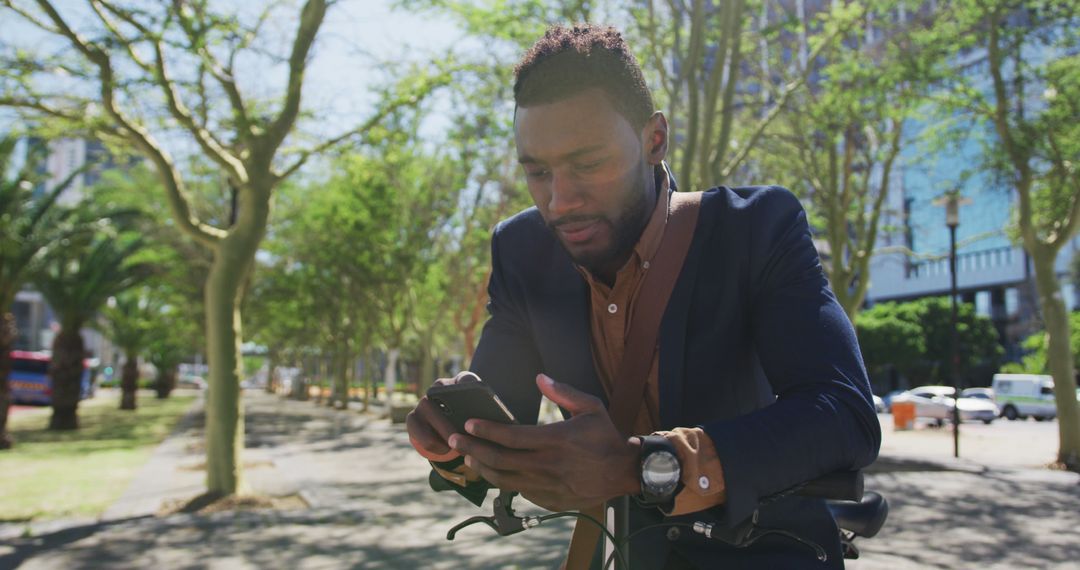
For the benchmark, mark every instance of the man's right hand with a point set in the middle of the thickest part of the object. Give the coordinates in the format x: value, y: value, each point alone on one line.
x: 429, y: 429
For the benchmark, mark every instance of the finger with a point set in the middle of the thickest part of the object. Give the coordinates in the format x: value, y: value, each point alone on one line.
x: 573, y: 400
x: 435, y: 418
x: 511, y: 436
x: 504, y: 480
x: 465, y: 376
x: 497, y: 456
x: 509, y: 480
x: 426, y: 441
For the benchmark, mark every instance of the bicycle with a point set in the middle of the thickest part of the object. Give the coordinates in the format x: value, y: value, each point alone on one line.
x: 857, y: 514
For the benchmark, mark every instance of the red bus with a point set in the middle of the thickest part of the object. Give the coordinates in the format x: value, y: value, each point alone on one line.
x: 30, y: 382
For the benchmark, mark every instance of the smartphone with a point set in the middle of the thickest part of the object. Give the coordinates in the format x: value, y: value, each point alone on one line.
x: 464, y: 400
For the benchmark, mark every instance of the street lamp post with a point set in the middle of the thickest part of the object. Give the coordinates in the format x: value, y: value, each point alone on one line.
x: 952, y: 202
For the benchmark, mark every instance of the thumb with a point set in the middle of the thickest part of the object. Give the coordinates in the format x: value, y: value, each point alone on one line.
x: 573, y: 400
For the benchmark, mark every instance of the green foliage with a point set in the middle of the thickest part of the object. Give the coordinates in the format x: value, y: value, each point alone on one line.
x: 359, y: 262
x: 172, y: 318
x: 886, y: 340
x: 79, y: 278
x: 838, y: 142
x: 1035, y: 361
x: 31, y: 226
x: 916, y: 338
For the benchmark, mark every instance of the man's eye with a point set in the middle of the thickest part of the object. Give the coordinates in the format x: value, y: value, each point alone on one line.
x: 539, y: 173
x: 588, y: 166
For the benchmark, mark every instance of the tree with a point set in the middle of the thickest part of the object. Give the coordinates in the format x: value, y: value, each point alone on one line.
x: 839, y: 140
x: 127, y: 320
x: 914, y: 338
x: 178, y: 60
x: 889, y: 344
x: 174, y: 328
x: 718, y: 100
x: 32, y: 227
x: 1031, y: 105
x: 77, y: 280
x: 1035, y: 360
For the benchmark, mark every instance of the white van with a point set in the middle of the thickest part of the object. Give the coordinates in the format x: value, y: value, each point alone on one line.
x: 1023, y: 395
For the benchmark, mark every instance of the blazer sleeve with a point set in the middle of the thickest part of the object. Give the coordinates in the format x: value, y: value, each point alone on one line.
x: 823, y: 419
x: 506, y: 357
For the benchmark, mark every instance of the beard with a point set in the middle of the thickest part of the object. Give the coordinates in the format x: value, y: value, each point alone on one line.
x: 625, y: 229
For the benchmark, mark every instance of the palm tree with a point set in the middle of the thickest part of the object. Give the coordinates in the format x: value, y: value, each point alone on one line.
x: 127, y: 321
x: 32, y: 224
x: 77, y: 281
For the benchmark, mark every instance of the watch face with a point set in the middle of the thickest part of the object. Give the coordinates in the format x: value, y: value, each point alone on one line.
x: 660, y: 470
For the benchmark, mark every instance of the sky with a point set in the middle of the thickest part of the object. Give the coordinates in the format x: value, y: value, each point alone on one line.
x: 357, y: 38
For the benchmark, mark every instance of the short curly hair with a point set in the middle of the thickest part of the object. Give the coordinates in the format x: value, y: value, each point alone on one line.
x: 567, y: 61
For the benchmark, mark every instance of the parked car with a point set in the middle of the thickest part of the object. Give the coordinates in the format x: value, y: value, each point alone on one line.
x: 984, y: 393
x: 936, y: 402
x: 1023, y: 395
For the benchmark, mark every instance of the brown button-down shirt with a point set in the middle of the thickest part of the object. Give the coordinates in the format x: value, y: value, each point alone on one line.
x: 610, y: 315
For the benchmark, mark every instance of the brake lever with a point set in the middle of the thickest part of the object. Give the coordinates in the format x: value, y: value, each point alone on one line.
x: 503, y: 520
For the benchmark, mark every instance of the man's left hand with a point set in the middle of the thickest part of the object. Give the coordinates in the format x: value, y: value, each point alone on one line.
x: 572, y: 464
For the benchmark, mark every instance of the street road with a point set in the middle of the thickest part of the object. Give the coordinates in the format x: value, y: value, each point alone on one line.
x: 1021, y: 443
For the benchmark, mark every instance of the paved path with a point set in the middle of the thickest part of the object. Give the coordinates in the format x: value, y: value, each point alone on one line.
x: 371, y: 508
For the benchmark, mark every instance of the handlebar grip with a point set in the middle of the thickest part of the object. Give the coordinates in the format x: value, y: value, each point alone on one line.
x: 838, y: 485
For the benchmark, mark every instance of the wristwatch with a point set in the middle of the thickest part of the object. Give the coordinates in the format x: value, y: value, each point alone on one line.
x: 661, y: 472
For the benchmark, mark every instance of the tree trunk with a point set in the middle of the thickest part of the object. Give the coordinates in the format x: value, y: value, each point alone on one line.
x: 233, y: 258
x: 7, y: 339
x: 369, y: 381
x: 342, y: 380
x: 321, y: 380
x: 166, y: 381
x: 300, y: 383
x: 271, y: 364
x: 427, y: 363
x: 390, y: 376
x: 1059, y: 356
x: 129, y: 382
x: 66, y: 372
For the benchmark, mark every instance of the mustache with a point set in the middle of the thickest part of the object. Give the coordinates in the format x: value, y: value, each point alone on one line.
x: 573, y: 219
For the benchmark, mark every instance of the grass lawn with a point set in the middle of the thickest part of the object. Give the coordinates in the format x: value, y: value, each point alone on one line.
x: 80, y: 473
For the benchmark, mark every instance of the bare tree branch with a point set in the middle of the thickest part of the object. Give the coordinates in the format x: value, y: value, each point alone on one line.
x: 201, y: 232
x: 222, y: 74
x: 782, y: 100
x: 311, y: 17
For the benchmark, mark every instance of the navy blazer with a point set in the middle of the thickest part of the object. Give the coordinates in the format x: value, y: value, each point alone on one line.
x: 754, y: 348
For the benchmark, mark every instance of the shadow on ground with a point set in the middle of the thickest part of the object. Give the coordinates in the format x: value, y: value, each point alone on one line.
x: 372, y: 509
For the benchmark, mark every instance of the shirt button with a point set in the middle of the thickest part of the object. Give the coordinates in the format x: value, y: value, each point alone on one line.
x: 645, y: 265
x: 703, y: 482
x: 613, y: 308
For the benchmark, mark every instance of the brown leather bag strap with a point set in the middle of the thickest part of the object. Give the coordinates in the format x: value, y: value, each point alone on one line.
x: 652, y: 300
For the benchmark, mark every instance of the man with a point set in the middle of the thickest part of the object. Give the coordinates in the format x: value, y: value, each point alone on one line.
x: 756, y: 384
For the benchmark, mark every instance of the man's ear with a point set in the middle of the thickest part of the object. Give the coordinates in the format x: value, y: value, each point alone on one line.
x: 655, y: 138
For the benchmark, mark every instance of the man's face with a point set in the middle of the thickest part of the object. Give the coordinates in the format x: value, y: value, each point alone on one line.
x: 590, y: 175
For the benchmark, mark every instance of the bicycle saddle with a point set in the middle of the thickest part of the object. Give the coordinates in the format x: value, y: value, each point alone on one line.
x: 864, y: 518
